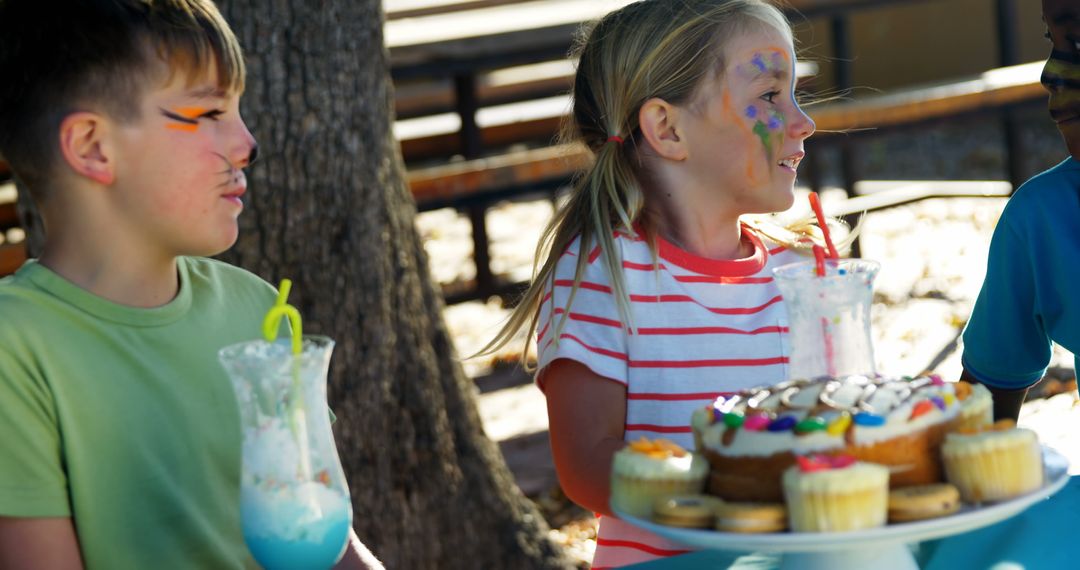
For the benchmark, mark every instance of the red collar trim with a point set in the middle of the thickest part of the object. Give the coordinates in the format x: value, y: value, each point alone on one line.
x: 717, y: 267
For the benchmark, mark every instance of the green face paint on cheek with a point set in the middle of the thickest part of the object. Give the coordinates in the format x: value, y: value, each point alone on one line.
x: 763, y: 133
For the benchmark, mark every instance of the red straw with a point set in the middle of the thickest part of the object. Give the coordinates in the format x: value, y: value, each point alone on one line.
x: 830, y: 351
x: 819, y: 259
x: 816, y: 205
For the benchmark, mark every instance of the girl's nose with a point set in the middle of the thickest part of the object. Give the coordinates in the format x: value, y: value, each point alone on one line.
x: 801, y: 126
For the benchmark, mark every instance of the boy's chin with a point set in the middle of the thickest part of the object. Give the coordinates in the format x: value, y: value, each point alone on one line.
x: 210, y: 249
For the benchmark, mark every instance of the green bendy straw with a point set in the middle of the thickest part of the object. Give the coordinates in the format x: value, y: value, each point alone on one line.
x: 271, y: 326
x: 272, y: 322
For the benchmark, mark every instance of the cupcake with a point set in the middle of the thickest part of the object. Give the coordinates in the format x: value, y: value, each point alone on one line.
x: 645, y: 471
x: 995, y: 463
x: 976, y: 406
x: 835, y: 493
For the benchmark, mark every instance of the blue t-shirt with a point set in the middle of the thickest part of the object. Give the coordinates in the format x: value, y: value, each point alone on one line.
x: 1029, y: 298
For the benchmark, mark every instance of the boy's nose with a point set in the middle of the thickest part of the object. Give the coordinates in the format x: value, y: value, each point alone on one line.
x: 246, y: 150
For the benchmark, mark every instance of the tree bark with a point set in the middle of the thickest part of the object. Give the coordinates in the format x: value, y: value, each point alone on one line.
x: 328, y: 207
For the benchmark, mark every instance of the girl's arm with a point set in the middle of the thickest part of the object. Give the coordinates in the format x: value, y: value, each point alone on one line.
x: 586, y: 418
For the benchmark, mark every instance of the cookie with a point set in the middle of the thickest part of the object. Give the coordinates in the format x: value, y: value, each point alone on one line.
x: 923, y: 502
x: 751, y: 517
x: 687, y: 511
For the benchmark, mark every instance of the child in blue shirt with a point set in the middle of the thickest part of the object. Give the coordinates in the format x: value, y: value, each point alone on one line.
x: 1028, y: 299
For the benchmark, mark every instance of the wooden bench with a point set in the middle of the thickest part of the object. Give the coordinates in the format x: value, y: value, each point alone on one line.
x: 475, y: 183
x: 445, y: 56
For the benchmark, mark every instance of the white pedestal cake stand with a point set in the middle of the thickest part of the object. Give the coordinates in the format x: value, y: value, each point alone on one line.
x: 882, y: 548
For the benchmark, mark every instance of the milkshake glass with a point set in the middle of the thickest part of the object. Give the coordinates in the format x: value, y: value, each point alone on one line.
x: 294, y: 502
x: 829, y: 317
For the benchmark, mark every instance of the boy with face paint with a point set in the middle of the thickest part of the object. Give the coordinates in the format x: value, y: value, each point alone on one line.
x: 120, y: 443
x: 1028, y: 299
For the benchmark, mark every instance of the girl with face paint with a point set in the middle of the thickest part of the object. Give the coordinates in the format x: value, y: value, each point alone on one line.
x: 653, y: 292
x: 1029, y: 297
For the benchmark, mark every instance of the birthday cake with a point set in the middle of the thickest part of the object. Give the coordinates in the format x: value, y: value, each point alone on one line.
x: 750, y: 438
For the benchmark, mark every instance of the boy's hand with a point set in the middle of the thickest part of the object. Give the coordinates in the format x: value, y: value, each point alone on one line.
x: 31, y: 543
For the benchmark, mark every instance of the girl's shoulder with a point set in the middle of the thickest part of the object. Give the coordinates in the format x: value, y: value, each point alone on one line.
x: 780, y: 254
x: 624, y: 246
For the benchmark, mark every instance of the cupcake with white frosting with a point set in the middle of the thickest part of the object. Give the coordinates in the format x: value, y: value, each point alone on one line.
x: 647, y: 470
x: 993, y: 464
x: 835, y: 493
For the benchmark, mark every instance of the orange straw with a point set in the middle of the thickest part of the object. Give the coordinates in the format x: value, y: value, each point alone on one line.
x: 816, y: 205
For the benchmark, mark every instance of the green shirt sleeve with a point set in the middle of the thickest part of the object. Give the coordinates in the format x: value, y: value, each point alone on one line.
x: 32, y: 478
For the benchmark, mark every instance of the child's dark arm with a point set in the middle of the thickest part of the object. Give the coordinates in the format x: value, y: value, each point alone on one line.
x: 31, y: 543
x: 1006, y: 402
x: 586, y: 419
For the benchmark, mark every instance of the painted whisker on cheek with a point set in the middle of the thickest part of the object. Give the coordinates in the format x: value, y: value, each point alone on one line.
x: 232, y: 173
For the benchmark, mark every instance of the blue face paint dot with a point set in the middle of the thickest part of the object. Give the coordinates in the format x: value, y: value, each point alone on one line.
x: 774, y: 123
x: 751, y: 112
x: 759, y: 62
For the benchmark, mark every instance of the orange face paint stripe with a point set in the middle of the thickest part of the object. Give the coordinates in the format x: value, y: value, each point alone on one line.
x: 186, y: 118
x: 182, y: 127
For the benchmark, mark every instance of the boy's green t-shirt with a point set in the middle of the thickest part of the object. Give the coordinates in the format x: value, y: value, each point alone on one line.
x: 124, y: 419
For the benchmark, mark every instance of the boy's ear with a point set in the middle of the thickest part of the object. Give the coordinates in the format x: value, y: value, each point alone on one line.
x: 658, y: 121
x: 86, y: 148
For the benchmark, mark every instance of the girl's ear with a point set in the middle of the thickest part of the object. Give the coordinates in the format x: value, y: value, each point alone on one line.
x: 86, y: 148
x: 658, y: 121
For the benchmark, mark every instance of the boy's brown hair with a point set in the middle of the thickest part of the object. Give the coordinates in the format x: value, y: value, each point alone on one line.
x: 62, y: 56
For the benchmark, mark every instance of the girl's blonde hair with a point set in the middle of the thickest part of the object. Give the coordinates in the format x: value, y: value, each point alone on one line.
x: 651, y: 48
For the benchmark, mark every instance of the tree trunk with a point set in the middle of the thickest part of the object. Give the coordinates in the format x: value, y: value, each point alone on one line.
x: 328, y: 207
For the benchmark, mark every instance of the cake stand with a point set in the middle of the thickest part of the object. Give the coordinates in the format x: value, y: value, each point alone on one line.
x: 882, y: 548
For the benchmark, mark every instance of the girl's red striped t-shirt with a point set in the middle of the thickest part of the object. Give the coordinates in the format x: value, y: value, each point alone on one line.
x: 701, y: 328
